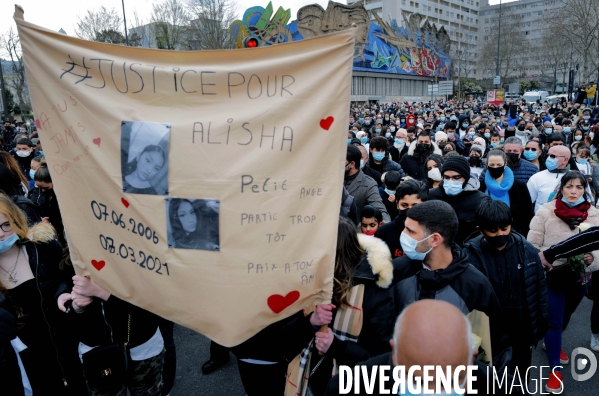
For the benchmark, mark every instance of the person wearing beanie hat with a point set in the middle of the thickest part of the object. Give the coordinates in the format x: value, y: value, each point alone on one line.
x: 476, y: 160
x: 460, y: 191
x: 440, y: 136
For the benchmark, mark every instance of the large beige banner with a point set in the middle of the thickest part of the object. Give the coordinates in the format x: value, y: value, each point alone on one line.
x: 203, y: 186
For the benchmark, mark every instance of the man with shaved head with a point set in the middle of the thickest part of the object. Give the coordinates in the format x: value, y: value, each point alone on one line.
x: 541, y: 185
x: 428, y: 332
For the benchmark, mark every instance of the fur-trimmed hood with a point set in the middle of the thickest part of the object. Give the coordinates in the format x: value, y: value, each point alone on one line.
x: 436, y: 149
x: 41, y: 233
x: 379, y: 258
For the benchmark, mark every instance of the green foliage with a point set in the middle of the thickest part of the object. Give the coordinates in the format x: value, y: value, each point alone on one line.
x: 469, y: 85
x: 529, y: 85
x: 110, y: 36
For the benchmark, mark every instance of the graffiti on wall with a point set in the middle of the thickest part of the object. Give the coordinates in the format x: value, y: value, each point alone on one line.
x: 416, y: 47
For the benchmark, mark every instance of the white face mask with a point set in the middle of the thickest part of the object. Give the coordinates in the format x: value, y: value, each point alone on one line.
x: 23, y: 154
x: 434, y: 174
x: 577, y: 137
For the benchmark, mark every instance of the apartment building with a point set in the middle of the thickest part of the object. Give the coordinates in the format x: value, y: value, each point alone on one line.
x: 531, y: 20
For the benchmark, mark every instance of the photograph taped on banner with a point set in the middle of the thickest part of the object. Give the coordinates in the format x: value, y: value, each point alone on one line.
x: 144, y: 157
x: 193, y: 223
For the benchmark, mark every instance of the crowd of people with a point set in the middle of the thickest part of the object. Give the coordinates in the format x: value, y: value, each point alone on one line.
x: 448, y: 208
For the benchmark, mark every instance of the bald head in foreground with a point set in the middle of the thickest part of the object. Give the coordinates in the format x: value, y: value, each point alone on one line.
x: 432, y: 332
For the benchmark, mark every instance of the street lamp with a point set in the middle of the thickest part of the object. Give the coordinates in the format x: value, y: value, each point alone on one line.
x: 125, y: 20
x: 498, y: 45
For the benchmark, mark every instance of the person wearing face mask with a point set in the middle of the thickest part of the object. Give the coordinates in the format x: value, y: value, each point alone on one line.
x: 408, y: 193
x: 542, y: 184
x: 533, y: 153
x: 583, y: 155
x: 400, y: 145
x: 555, y: 221
x: 49, y: 210
x: 9, y: 185
x: 523, y: 170
x: 23, y: 154
x: 391, y: 180
x: 368, y: 171
x: 499, y: 183
x: 379, y: 158
x: 435, y: 267
x: 13, y: 166
x: 513, y: 267
x: 521, y: 132
x: 434, y: 163
x: 448, y: 335
x: 476, y: 161
x: 31, y: 277
x: 363, y: 188
x: 459, y: 190
x: 370, y: 220
x: 414, y: 163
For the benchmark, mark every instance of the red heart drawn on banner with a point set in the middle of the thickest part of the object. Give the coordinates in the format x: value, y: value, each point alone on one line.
x: 278, y: 303
x: 125, y: 202
x: 326, y: 123
x: 97, y: 141
x: 98, y: 264
x: 38, y: 124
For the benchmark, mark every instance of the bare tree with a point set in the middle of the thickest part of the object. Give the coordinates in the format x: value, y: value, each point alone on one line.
x: 168, y: 24
x: 460, y: 60
x: 100, y: 25
x: 579, y: 21
x: 511, y: 48
x: 210, y: 24
x: 16, y: 79
x: 553, y: 58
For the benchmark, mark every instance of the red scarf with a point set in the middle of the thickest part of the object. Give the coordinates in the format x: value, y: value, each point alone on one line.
x: 572, y: 216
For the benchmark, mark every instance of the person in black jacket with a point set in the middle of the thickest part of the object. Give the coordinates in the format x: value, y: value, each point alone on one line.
x: 414, y: 163
x: 361, y: 263
x: 101, y: 319
x: 49, y: 210
x: 23, y: 154
x: 435, y: 268
x: 427, y: 333
x: 11, y: 382
x: 367, y: 170
x: 460, y: 191
x: 407, y: 194
x: 513, y: 267
x: 31, y: 278
x: 10, y: 185
x: 379, y: 157
x: 499, y: 183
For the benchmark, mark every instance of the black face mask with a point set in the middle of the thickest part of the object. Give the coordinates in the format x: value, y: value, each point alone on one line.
x: 520, y: 127
x: 475, y: 161
x: 498, y: 240
x: 402, y: 215
x: 422, y: 147
x: 442, y: 145
x: 515, y: 158
x: 496, y: 172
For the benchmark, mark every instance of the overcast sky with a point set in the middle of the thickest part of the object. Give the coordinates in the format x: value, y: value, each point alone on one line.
x: 57, y: 14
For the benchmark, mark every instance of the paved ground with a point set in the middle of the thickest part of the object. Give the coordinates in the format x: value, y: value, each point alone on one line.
x: 193, y: 350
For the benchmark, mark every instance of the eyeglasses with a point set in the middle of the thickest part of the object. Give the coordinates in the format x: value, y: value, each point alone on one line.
x: 455, y: 178
x: 6, y: 227
x: 530, y: 149
x: 553, y: 156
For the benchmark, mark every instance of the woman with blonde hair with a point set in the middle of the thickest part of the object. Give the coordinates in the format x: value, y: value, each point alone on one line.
x: 30, y: 279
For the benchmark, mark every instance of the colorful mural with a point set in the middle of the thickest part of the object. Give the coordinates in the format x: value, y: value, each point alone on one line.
x: 416, y: 48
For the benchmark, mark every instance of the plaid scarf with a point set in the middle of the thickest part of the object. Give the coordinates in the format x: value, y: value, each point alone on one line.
x: 346, y: 327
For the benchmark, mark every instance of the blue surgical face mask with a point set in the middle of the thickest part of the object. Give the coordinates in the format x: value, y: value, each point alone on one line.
x: 377, y: 130
x: 570, y: 204
x: 388, y: 134
x: 348, y: 143
x: 530, y: 155
x: 452, y: 188
x: 399, y: 141
x: 364, y: 140
x: 41, y: 152
x: 494, y: 144
x: 32, y: 171
x: 361, y: 119
x: 378, y: 156
x: 465, y: 125
x: 567, y: 129
x: 366, y: 122
x: 581, y: 161
x: 361, y: 163
x: 409, y: 244
x: 392, y: 129
x: 487, y: 135
x: 548, y: 131
x: 390, y: 192
x: 8, y: 243
x: 551, y: 163
x: 501, y: 140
